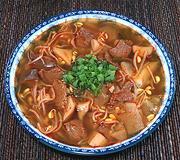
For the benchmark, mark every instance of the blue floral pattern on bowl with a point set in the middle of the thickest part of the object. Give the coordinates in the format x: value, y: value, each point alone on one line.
x: 28, y: 38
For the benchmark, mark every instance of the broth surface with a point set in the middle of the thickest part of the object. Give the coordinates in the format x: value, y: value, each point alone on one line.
x: 90, y: 83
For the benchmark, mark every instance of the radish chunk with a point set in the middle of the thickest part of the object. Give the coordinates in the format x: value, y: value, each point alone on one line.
x: 70, y: 109
x: 75, y: 130
x: 63, y: 54
x: 82, y: 109
x: 144, y: 78
x: 97, y: 140
x: 128, y: 68
x: 132, y: 119
x: 120, y: 133
x: 95, y: 45
x: 151, y: 106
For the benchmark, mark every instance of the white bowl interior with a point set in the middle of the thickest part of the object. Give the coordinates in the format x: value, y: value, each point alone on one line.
x: 97, y: 16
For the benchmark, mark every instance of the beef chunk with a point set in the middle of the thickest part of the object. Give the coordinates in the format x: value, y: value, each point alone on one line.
x: 75, y: 130
x: 48, y: 76
x: 45, y: 62
x: 122, y: 49
x: 124, y: 95
x: 60, y: 93
x: 108, y: 57
x: 84, y: 37
x: 31, y: 75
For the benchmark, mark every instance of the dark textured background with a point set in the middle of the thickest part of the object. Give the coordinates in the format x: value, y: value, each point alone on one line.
x: 17, y: 17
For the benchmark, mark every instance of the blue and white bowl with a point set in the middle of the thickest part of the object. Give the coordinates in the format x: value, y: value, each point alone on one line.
x: 28, y: 38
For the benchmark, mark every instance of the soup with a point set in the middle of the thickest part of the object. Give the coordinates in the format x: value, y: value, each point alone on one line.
x: 90, y: 83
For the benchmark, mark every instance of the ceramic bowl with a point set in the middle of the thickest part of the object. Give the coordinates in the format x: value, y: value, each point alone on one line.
x: 29, y: 37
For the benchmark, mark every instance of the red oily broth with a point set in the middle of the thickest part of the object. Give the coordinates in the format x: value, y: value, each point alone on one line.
x: 90, y: 83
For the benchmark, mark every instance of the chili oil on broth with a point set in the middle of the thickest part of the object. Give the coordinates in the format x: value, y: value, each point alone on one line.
x: 71, y: 113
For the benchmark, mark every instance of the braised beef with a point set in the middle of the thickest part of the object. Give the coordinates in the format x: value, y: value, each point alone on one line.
x: 88, y: 121
x: 109, y: 59
x: 119, y: 76
x: 101, y: 55
x: 48, y: 62
x: 84, y: 37
x: 124, y: 95
x: 31, y: 75
x: 128, y: 85
x: 75, y: 130
x: 48, y: 76
x: 60, y: 93
x: 45, y: 62
x: 121, y: 50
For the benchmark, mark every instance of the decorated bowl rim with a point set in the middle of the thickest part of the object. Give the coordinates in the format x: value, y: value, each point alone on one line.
x: 14, y: 59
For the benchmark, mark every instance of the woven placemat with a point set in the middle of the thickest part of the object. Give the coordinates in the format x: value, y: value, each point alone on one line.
x: 17, y: 17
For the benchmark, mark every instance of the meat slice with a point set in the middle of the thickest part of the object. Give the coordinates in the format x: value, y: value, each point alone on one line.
x: 48, y: 62
x: 75, y: 130
x: 108, y: 58
x: 121, y: 50
x: 45, y: 62
x: 84, y: 37
x: 60, y: 93
x: 124, y: 95
x: 48, y: 76
x: 132, y: 119
x: 128, y: 85
x: 31, y: 75
x: 88, y: 121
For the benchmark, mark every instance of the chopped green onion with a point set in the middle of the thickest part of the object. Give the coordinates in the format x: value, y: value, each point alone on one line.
x: 90, y: 73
